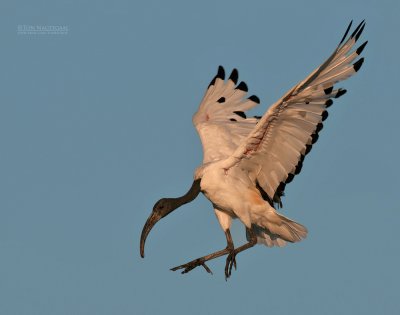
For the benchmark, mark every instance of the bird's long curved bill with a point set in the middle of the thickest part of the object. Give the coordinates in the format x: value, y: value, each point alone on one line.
x: 151, y: 221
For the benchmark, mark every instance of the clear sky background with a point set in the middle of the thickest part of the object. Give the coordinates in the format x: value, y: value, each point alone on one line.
x: 95, y: 126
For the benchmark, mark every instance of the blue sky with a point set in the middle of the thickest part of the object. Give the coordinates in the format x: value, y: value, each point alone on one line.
x: 95, y: 126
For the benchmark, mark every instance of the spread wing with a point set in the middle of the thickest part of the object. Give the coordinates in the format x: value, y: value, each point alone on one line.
x: 274, y: 151
x: 221, y: 120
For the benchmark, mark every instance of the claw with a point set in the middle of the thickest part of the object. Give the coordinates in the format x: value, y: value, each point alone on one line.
x: 191, y: 265
x: 230, y: 262
x: 206, y: 268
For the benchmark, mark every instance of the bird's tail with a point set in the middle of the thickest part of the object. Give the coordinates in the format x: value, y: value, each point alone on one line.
x: 274, y: 229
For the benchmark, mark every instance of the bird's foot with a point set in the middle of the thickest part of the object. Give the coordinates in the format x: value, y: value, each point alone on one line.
x: 230, y: 262
x: 193, y: 264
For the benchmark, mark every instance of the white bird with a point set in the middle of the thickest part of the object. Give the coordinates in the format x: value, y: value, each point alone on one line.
x: 248, y: 161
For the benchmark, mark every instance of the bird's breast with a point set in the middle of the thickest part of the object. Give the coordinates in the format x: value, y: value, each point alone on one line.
x: 224, y: 189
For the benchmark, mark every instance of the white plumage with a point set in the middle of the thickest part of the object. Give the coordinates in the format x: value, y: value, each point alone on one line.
x: 248, y: 161
x: 242, y: 155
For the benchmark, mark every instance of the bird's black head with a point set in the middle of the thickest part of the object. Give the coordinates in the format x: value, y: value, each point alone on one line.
x: 162, y: 208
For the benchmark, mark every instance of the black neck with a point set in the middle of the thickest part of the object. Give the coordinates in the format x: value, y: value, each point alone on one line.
x: 189, y: 196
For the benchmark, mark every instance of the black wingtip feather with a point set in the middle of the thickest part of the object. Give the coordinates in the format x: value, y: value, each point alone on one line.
x: 240, y: 113
x: 289, y: 178
x: 212, y: 81
x: 357, y: 28
x: 361, y: 48
x: 299, y: 167
x: 357, y: 65
x: 314, y: 138
x: 340, y: 93
x: 221, y: 73
x: 234, y: 76
x: 328, y: 90
x: 255, y: 99
x: 280, y: 192
x: 328, y: 103
x: 359, y: 32
x: 347, y: 31
x: 242, y: 86
x: 324, y: 115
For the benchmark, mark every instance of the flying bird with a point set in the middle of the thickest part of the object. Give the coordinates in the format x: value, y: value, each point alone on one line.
x: 248, y: 160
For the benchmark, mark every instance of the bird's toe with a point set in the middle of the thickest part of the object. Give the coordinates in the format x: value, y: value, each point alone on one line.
x: 230, y: 262
x: 191, y: 265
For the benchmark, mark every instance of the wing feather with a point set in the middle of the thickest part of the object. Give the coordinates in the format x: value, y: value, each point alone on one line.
x: 275, y: 149
x: 221, y: 120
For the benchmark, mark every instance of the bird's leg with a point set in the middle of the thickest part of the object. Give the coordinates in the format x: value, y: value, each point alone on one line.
x: 231, y: 261
x: 202, y: 260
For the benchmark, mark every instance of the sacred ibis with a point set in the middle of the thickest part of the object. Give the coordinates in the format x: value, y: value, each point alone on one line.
x: 249, y: 160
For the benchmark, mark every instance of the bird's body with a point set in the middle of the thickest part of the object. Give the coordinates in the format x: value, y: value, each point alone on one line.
x: 230, y: 186
x: 230, y: 193
x: 234, y: 195
x: 249, y: 160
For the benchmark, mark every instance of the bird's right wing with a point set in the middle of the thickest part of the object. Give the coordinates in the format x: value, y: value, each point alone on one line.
x: 274, y: 151
x: 221, y: 120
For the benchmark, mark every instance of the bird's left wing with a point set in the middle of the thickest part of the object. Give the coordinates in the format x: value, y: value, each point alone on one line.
x: 221, y: 120
x: 274, y: 151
